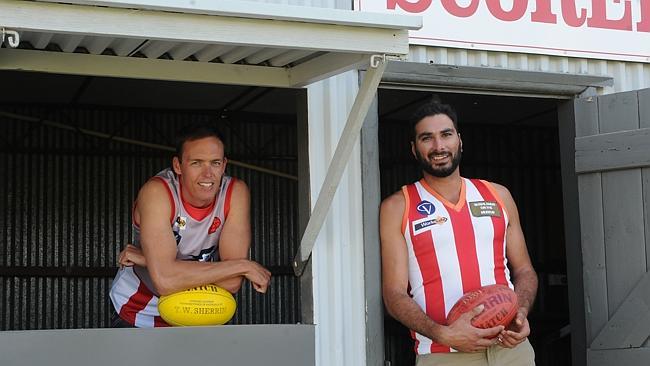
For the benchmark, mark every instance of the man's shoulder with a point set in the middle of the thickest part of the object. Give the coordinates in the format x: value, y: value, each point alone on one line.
x: 155, y: 184
x: 154, y: 200
x: 239, y: 187
x: 160, y: 181
x: 398, y: 197
x: 154, y: 189
x: 236, y: 181
x: 395, y: 201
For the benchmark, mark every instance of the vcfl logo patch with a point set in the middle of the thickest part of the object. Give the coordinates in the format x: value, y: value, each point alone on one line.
x: 426, y: 208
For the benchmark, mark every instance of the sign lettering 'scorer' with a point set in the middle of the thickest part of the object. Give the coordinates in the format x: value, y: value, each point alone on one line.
x: 602, y: 29
x: 572, y: 14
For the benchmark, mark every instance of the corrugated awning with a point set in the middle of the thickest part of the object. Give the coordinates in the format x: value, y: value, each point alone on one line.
x: 228, y: 42
x: 419, y: 76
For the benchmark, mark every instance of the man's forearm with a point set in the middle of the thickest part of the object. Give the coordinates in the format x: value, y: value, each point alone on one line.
x: 526, y: 288
x: 232, y: 285
x: 406, y: 311
x: 181, y: 275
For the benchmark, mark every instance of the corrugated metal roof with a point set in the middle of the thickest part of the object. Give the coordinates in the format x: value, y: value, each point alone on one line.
x: 148, y: 48
x: 264, y: 44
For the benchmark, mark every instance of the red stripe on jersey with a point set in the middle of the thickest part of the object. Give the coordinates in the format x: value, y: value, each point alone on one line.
x: 417, y: 341
x: 136, y: 303
x: 226, y: 204
x: 470, y: 274
x: 159, y: 322
x: 499, y: 226
x: 425, y: 254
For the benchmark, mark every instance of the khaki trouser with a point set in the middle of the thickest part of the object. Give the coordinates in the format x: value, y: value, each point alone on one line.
x: 522, y: 355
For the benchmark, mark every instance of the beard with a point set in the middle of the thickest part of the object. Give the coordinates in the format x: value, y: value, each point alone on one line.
x: 439, y: 172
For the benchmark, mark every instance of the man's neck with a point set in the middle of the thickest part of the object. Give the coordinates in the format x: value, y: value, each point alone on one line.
x: 186, y: 199
x: 448, y: 187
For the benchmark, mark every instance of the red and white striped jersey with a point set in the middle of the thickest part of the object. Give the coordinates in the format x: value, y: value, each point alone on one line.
x: 197, y: 233
x: 452, y: 248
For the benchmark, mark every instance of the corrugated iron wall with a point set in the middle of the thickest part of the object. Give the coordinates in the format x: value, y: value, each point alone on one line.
x: 526, y: 160
x: 65, y: 209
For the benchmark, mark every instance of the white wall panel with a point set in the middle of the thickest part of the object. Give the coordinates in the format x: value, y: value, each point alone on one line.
x: 627, y: 75
x: 337, y: 259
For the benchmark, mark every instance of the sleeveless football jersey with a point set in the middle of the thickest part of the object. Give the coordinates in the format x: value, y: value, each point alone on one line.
x: 452, y: 249
x: 197, y: 239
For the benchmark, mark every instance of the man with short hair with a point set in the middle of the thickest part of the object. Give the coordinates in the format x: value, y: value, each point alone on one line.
x: 436, y: 247
x: 192, y: 227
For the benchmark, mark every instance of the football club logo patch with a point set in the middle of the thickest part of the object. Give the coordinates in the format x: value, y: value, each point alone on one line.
x: 215, y: 225
x: 484, y: 208
x: 426, y: 208
x: 181, y: 222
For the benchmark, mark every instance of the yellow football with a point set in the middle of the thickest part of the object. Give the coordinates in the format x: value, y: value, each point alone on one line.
x: 203, y: 305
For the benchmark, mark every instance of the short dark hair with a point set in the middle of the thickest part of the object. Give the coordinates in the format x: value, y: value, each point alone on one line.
x: 429, y: 109
x: 196, y: 132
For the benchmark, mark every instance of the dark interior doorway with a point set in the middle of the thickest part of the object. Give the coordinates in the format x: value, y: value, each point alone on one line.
x: 75, y: 151
x: 511, y: 141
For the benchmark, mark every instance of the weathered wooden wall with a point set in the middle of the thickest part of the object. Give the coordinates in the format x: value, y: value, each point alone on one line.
x: 613, y: 165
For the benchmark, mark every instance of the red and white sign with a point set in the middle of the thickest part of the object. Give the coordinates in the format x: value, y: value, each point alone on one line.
x: 604, y: 29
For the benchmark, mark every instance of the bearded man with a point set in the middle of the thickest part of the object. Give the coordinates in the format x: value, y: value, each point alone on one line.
x: 446, y: 235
